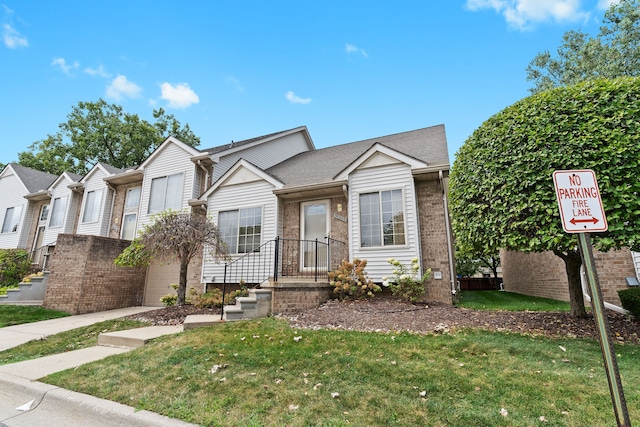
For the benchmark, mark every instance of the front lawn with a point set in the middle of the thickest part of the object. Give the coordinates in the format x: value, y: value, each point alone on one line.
x: 508, y: 301
x: 264, y: 373
x: 19, y: 314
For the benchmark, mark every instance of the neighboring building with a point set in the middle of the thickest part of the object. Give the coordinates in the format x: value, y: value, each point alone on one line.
x: 543, y: 274
x: 64, y: 208
x: 97, y: 201
x: 375, y: 199
x: 16, y: 212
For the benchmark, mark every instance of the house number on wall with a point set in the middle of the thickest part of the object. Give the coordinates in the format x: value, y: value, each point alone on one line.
x: 340, y: 217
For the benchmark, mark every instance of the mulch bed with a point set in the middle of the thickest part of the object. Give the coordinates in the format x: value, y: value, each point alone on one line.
x: 388, y: 314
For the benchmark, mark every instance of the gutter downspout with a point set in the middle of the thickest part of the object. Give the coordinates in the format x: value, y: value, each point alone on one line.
x: 449, y: 239
x: 206, y: 176
x: 585, y: 292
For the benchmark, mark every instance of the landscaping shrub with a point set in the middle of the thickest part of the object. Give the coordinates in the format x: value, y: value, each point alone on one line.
x: 350, y: 280
x: 209, y: 299
x: 230, y: 298
x: 630, y: 299
x: 405, y: 281
x: 14, y: 265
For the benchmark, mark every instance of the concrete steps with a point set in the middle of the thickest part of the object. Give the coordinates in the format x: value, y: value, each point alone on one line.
x: 134, y: 338
x: 256, y: 305
x: 28, y: 291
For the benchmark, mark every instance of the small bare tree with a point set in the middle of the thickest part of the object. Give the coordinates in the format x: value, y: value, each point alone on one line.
x: 175, y: 235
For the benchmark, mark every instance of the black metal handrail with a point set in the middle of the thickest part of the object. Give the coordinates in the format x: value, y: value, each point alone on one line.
x: 280, y: 257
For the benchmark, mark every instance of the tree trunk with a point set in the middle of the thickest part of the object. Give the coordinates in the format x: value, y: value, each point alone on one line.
x: 182, y: 285
x: 572, y: 263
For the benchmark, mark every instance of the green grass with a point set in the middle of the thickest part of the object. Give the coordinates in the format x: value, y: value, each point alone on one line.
x: 19, y: 314
x: 508, y: 301
x: 65, y: 341
x: 270, y: 377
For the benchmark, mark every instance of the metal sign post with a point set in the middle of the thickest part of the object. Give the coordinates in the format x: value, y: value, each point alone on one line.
x: 581, y: 212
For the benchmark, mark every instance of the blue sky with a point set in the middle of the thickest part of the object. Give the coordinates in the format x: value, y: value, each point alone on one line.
x: 348, y: 70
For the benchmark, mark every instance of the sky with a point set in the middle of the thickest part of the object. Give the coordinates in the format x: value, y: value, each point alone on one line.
x: 233, y: 70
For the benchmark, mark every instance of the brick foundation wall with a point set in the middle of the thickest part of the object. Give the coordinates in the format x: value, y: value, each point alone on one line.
x: 288, y: 297
x: 433, y: 238
x: 543, y: 274
x: 84, y: 279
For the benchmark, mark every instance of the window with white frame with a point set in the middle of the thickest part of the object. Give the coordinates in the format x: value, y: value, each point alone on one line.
x: 166, y: 193
x: 241, y: 229
x: 382, y: 218
x: 92, y: 202
x: 130, y: 215
x: 11, y: 219
x: 57, y: 211
x: 44, y: 213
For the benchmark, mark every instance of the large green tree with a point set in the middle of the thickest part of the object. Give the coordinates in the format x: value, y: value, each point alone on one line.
x: 614, y: 52
x: 101, y: 132
x: 502, y: 193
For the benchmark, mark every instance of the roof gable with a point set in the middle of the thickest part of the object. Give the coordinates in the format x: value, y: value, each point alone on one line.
x: 189, y: 150
x: 72, y: 178
x: 32, y: 180
x: 241, y: 172
x: 106, y: 169
x: 379, y: 155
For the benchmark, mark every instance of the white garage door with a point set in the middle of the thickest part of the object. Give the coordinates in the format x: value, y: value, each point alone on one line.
x: 159, y: 277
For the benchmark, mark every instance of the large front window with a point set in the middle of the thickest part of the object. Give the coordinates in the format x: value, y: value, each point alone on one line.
x: 166, y: 193
x: 57, y: 211
x: 241, y: 229
x: 381, y: 219
x: 11, y: 219
x: 92, y: 203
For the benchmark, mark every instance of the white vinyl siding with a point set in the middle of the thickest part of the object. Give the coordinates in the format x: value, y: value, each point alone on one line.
x: 255, y: 194
x: 62, y: 213
x: 171, y: 160
x: 12, y: 219
x: 12, y: 193
x: 263, y: 155
x: 95, y: 211
x: 378, y: 180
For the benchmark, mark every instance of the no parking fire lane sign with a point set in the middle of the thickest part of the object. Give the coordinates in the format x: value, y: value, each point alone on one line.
x: 579, y: 201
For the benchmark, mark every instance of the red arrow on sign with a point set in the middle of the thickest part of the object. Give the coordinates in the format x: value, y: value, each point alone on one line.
x: 575, y: 221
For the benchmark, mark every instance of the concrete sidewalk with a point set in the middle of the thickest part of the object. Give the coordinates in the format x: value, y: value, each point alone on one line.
x: 25, y: 402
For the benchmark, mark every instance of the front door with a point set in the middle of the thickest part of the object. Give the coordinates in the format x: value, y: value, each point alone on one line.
x: 314, y: 229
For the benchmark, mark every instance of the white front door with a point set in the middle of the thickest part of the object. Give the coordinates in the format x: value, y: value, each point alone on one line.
x: 314, y: 226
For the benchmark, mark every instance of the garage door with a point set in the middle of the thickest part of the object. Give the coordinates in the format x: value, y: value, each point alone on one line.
x: 159, y: 277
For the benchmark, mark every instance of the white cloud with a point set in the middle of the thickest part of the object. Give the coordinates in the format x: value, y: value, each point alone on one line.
x: 605, y: 4
x: 100, y: 71
x: 179, y: 96
x: 349, y: 48
x: 522, y: 14
x: 295, y: 99
x: 66, y: 68
x: 120, y: 87
x: 12, y: 38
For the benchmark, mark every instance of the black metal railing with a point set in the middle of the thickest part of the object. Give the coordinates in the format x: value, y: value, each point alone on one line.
x: 288, y: 258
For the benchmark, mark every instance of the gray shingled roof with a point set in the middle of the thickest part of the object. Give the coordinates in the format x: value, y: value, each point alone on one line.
x: 320, y: 166
x: 233, y: 144
x: 34, y: 180
x: 111, y: 169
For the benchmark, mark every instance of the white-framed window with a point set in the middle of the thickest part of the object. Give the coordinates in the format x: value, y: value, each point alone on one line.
x: 57, y: 211
x: 11, y: 219
x: 241, y: 229
x: 130, y: 215
x: 44, y: 213
x: 92, y: 202
x: 382, y: 218
x: 166, y: 193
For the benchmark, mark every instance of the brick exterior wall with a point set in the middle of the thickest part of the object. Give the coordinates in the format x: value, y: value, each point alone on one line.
x: 33, y: 225
x: 84, y: 279
x: 118, y: 208
x: 433, y: 238
x: 543, y: 274
x: 289, y: 297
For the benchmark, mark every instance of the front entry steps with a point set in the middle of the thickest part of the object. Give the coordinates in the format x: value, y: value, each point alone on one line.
x: 28, y: 293
x: 256, y: 305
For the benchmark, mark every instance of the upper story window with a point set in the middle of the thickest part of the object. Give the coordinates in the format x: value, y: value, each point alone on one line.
x: 11, y: 219
x: 93, y: 200
x: 166, y: 193
x: 241, y: 229
x: 133, y: 198
x: 44, y: 213
x: 57, y: 211
x: 382, y: 219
